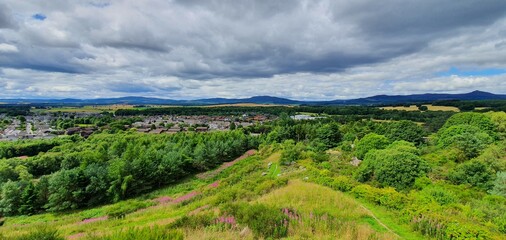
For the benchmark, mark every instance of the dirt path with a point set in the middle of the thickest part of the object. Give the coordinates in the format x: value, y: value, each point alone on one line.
x: 380, y: 222
x: 212, y: 173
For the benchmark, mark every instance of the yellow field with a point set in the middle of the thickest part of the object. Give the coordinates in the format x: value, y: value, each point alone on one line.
x: 429, y: 106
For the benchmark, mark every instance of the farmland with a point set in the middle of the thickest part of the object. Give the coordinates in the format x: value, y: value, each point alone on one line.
x: 430, y: 107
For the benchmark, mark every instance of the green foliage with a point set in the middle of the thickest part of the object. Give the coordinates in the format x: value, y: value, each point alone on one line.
x: 406, y: 131
x: 109, y: 167
x: 474, y: 173
x: 29, y: 147
x: 42, y: 233
x: 291, y: 152
x: 387, y: 197
x: 10, y: 198
x: 264, y: 221
x: 370, y: 142
x: 194, y: 221
x: 392, y: 167
x: 499, y: 187
x: 478, y: 120
x: 147, y: 233
x: 329, y: 134
x: 119, y: 210
x: 471, y: 140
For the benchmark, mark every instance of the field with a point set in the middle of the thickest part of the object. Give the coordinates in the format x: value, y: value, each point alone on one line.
x: 429, y: 106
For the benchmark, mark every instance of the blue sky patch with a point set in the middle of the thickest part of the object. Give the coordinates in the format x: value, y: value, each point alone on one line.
x: 39, y: 16
x: 476, y: 72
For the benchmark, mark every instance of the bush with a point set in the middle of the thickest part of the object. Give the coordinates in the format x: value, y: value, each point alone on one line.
x: 43, y: 233
x: 194, y: 221
x: 119, y: 210
x: 386, y: 197
x: 499, y: 187
x: 474, y: 173
x: 369, y: 142
x: 392, y: 167
x: 265, y: 222
x: 149, y: 233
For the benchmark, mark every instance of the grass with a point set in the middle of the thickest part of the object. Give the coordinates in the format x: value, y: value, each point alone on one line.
x: 391, y: 220
x: 322, y: 212
x: 429, y: 106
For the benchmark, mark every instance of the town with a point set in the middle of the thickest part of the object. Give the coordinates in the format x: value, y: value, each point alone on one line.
x: 45, y: 125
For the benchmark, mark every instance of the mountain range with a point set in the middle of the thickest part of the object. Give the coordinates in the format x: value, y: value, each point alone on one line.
x: 374, y: 100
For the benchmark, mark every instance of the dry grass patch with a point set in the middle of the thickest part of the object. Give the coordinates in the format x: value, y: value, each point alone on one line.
x: 429, y: 106
x: 322, y: 213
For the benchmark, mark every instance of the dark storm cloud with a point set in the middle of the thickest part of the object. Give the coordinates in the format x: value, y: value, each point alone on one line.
x: 6, y: 20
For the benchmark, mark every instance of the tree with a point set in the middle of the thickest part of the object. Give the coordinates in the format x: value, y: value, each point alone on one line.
x: 405, y: 130
x: 471, y: 140
x: 232, y: 126
x: 28, y: 200
x: 423, y: 108
x: 478, y: 120
x: 66, y: 190
x: 291, y: 152
x: 10, y: 198
x: 392, y: 167
x: 499, y: 185
x: 474, y: 173
x: 329, y: 134
x: 369, y: 142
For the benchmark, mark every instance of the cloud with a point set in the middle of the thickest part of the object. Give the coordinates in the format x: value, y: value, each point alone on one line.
x: 6, y: 20
x: 8, y: 48
x: 305, y: 49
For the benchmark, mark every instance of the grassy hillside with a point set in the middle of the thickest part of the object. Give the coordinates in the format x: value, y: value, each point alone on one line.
x: 307, y: 180
x: 193, y: 209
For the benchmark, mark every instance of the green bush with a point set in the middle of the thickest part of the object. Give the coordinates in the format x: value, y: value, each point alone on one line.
x: 369, y: 142
x: 386, y: 197
x: 119, y: 210
x: 499, y: 187
x: 42, y: 233
x: 148, y: 233
x: 265, y: 221
x: 474, y: 173
x: 392, y: 167
x: 194, y: 221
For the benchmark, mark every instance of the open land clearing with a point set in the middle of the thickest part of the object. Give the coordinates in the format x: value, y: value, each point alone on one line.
x: 429, y: 106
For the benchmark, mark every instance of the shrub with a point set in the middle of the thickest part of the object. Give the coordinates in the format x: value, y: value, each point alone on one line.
x: 158, y: 233
x: 474, y: 173
x: 387, y: 197
x: 264, y: 221
x: 43, y: 233
x: 392, y: 167
x: 369, y: 142
x: 499, y: 185
x: 194, y: 221
x: 119, y: 210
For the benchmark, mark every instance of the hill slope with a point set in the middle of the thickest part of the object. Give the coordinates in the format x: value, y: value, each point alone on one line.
x: 193, y: 209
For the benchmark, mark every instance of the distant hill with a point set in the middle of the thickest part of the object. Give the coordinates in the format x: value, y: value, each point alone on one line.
x: 374, y: 100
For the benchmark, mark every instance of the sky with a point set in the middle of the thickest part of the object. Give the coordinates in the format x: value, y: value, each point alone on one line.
x: 303, y: 50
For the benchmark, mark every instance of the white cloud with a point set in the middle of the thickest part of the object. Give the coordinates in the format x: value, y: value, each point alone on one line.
x: 8, y: 48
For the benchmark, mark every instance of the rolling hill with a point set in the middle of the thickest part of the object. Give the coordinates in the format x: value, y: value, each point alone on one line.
x: 373, y: 100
